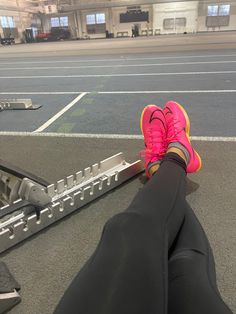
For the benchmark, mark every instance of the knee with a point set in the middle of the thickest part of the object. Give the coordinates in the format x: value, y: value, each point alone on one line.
x: 122, y: 222
x: 130, y: 225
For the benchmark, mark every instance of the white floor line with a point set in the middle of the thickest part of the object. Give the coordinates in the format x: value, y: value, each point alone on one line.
x: 170, y: 92
x: 112, y: 136
x: 125, y: 92
x: 60, y: 113
x: 117, y: 65
x: 120, y: 59
x: 41, y: 93
x: 116, y: 75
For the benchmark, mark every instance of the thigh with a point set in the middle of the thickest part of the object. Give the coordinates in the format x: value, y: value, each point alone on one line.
x: 124, y: 275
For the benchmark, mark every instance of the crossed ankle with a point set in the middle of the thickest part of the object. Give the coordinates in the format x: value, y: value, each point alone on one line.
x: 173, y: 154
x: 153, y: 167
x: 179, y: 149
x: 176, y: 158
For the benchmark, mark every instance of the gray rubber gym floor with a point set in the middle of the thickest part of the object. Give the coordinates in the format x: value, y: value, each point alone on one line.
x: 46, y: 263
x: 116, y: 89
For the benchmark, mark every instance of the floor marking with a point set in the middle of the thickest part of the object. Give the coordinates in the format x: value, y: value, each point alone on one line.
x: 116, y: 75
x: 118, y: 65
x: 119, y: 59
x: 112, y: 136
x: 124, y: 92
x: 41, y: 93
x: 60, y: 113
x: 170, y: 92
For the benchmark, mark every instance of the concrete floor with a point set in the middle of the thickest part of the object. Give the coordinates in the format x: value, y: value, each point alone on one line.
x: 163, y: 43
x: 46, y: 263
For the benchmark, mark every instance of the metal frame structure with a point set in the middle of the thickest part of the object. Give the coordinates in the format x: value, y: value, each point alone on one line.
x: 17, y: 104
x: 30, y: 205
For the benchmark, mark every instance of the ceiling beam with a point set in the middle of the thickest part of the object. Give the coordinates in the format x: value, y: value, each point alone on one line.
x: 110, y: 4
x: 15, y: 8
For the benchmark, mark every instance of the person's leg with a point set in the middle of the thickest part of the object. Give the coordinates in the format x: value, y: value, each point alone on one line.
x: 192, y: 278
x: 128, y: 272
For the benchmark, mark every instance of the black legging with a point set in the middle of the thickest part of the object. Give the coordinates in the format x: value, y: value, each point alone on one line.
x: 154, y: 258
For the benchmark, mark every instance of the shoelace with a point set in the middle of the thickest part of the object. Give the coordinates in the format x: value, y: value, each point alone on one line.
x: 173, y: 131
x: 155, y: 137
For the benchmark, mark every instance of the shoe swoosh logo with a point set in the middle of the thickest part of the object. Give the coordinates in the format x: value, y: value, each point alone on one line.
x: 169, y: 111
x: 159, y: 120
x: 151, y: 118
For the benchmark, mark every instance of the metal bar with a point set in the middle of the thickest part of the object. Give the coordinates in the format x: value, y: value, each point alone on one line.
x: 8, y: 300
x: 18, y: 104
x: 68, y: 195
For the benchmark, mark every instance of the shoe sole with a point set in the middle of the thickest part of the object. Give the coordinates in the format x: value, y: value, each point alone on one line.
x: 142, y: 114
x: 188, y: 133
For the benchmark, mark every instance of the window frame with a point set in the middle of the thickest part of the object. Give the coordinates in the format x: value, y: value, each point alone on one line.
x: 224, y: 5
x: 93, y: 19
x: 219, y: 8
x: 9, y: 21
x: 60, y: 22
x: 102, y: 21
x: 96, y: 25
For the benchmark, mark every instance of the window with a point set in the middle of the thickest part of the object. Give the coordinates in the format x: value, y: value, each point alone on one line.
x: 180, y: 22
x: 55, y: 21
x: 11, y: 22
x: 91, y: 19
x: 96, y: 23
x: 64, y: 21
x: 100, y: 18
x: 168, y: 23
x: 212, y: 10
x: 219, y: 10
x: 224, y: 9
x: 171, y: 24
x: 59, y: 21
x: 7, y: 22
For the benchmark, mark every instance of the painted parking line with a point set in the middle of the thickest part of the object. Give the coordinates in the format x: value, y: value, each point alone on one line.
x: 118, y: 65
x: 121, y: 59
x: 116, y: 75
x: 113, y: 136
x: 212, y: 91
x: 60, y: 113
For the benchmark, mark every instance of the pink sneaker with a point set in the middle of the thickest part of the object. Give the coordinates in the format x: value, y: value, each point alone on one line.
x: 178, y: 133
x: 153, y: 127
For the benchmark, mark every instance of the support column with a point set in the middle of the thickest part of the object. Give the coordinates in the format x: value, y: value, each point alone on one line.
x: 1, y: 31
x: 76, y: 25
x: 111, y: 23
x: 80, y: 23
x: 20, y: 21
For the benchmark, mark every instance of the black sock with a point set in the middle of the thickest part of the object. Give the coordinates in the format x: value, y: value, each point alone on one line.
x: 173, y: 157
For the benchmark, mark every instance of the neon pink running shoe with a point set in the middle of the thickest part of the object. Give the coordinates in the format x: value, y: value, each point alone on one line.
x: 153, y: 127
x: 178, y: 134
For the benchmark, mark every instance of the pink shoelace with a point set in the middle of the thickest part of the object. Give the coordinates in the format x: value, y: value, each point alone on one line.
x: 156, y: 148
x: 173, y: 131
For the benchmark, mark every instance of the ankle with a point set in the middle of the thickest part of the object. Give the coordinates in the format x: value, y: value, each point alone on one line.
x: 178, y: 151
x: 153, y: 169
